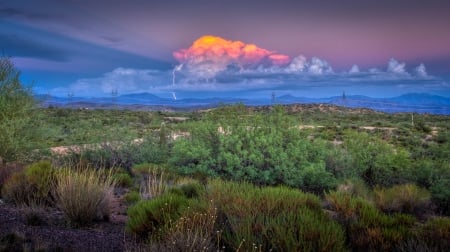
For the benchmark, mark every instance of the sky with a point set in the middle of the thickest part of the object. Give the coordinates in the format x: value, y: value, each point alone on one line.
x: 236, y: 48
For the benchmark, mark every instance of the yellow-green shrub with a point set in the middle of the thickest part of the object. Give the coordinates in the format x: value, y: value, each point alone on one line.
x: 407, y: 198
x: 42, y: 176
x: 152, y: 218
x: 273, y: 218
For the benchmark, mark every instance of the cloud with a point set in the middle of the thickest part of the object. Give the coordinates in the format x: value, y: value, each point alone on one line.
x: 421, y: 71
x: 396, y: 67
x: 209, y: 55
x: 298, y: 64
x: 319, y: 67
x: 124, y: 80
x: 213, y: 64
x: 354, y: 69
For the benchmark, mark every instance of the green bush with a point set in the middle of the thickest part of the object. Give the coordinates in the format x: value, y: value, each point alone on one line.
x: 317, y: 180
x: 152, y: 218
x: 407, y: 198
x: 440, y: 194
x: 132, y: 197
x: 190, y: 190
x: 84, y: 195
x: 123, y: 179
x: 375, y: 161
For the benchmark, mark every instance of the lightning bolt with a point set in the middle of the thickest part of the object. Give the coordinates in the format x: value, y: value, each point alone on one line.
x: 177, y: 68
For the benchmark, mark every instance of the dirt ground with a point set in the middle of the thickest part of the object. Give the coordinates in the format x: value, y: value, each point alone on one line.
x: 22, y: 229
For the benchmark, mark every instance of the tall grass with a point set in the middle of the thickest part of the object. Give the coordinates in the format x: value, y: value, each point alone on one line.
x: 154, y: 179
x: 84, y: 195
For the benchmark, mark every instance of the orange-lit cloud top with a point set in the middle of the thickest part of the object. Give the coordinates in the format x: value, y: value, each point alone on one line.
x: 210, y: 54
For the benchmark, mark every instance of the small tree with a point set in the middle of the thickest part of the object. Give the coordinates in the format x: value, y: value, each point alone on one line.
x: 16, y: 105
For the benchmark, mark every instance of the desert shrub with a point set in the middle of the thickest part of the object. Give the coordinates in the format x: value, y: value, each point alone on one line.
x: 243, y: 150
x: 375, y: 161
x: 316, y: 179
x: 440, y: 194
x: 355, y: 187
x: 84, y: 195
x: 422, y: 126
x: 345, y: 205
x: 367, y: 228
x: 407, y: 198
x: 33, y: 185
x: 123, y: 179
x: 6, y: 171
x: 436, y: 234
x: 17, y: 189
x: 42, y: 176
x: 277, y: 218
x: 153, y: 218
x: 132, y: 197
x: 337, y: 160
x: 190, y: 190
x: 194, y: 231
x: 154, y: 179
x: 307, y: 230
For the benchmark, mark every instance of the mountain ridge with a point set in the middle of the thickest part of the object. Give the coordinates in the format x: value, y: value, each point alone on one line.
x: 410, y: 102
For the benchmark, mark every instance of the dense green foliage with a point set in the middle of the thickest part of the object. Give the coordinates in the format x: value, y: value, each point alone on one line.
x: 314, y: 148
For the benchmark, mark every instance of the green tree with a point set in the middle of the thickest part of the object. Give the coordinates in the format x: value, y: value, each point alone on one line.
x: 16, y: 111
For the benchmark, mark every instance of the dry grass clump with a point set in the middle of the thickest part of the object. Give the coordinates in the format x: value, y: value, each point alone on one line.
x: 84, y: 195
x: 154, y: 179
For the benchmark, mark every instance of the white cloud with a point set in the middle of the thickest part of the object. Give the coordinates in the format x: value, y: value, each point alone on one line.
x: 421, y: 71
x: 354, y: 69
x: 124, y: 80
x: 298, y: 64
x: 319, y: 67
x: 396, y: 67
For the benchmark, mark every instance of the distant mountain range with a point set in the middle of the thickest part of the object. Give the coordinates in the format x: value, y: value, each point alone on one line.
x: 414, y: 102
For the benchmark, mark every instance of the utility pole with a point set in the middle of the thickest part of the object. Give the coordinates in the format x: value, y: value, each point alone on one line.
x: 114, y: 94
x: 70, y: 96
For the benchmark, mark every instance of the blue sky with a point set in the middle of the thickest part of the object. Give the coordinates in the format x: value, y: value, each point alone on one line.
x: 303, y: 48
